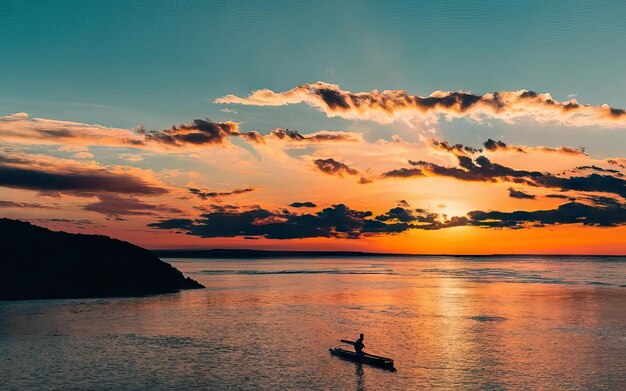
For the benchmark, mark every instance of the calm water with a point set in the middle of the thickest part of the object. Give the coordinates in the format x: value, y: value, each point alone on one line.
x: 450, y: 323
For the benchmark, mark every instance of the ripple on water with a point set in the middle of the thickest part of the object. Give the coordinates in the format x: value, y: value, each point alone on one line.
x: 487, y: 318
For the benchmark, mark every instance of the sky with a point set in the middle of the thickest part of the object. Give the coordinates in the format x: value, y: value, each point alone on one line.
x: 447, y: 127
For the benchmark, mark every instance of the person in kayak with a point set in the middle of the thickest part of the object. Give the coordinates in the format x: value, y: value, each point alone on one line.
x: 359, y: 346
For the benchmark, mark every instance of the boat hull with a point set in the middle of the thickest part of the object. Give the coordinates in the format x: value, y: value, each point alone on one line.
x: 370, y: 359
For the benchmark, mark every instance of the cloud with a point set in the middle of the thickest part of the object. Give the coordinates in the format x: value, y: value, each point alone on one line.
x: 323, y: 136
x: 499, y: 146
x: 493, y: 146
x: 131, y: 157
x: 598, y: 169
x: 79, y: 181
x: 114, y: 205
x: 20, y: 128
x: 457, y: 149
x: 13, y: 204
x: 83, y: 155
x: 400, y: 214
x: 570, y: 213
x: 561, y: 196
x: 403, y: 173
x: 205, y: 194
x: 332, y: 167
x: 403, y: 203
x: 216, y: 208
x: 603, y: 201
x: 520, y: 194
x: 228, y: 110
x: 396, y: 105
x: 593, y: 182
x: 79, y: 223
x: 306, y: 204
x: 338, y: 221
x: 201, y: 132
x: 482, y: 169
x: 620, y: 162
x: 50, y: 175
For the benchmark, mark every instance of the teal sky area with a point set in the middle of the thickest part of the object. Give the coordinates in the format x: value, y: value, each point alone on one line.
x: 120, y: 63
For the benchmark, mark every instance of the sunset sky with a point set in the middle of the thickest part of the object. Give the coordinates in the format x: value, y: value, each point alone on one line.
x: 419, y: 128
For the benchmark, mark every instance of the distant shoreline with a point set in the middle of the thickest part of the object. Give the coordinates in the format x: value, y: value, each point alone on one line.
x: 252, y: 254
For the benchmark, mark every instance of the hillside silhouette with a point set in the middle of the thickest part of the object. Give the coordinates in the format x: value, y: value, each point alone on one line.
x: 37, y: 263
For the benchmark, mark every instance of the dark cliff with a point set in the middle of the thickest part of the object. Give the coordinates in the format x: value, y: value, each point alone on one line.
x: 36, y: 263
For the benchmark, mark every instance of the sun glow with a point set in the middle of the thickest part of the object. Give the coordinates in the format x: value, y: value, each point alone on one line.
x: 449, y: 208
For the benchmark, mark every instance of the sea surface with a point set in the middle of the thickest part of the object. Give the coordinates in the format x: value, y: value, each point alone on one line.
x: 450, y: 323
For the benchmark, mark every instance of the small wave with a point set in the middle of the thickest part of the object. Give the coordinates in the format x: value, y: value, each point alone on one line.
x: 302, y: 271
x: 495, y: 274
x: 487, y: 318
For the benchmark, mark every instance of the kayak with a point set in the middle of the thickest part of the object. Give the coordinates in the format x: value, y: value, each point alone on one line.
x: 382, y: 362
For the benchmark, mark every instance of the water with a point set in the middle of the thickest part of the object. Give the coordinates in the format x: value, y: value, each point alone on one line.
x: 450, y: 323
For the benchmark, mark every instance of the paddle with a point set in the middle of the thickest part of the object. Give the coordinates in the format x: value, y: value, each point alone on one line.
x: 348, y: 342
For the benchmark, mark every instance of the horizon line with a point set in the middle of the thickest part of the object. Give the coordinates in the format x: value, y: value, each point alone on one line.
x: 371, y: 253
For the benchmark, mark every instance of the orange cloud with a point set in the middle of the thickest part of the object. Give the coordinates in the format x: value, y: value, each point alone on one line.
x: 49, y: 175
x: 493, y: 146
x: 396, y: 105
x: 20, y: 128
x: 201, y: 133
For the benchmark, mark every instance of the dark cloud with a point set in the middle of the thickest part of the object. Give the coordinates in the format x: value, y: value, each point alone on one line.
x: 520, y: 194
x: 292, y: 135
x: 333, y: 167
x: 78, y: 223
x: 421, y: 219
x: 497, y: 145
x: 13, y: 204
x: 306, y: 204
x: 603, y: 201
x: 207, y: 132
x: 561, y: 196
x: 201, y: 132
x: 216, y: 208
x: 205, y: 194
x: 593, y: 182
x: 492, y: 145
x: 114, y: 205
x: 175, y: 224
x: 403, y: 173
x: 60, y: 133
x: 598, y: 169
x: 77, y: 181
x: 570, y: 213
x: 614, y: 162
x: 334, y: 99
x: 482, y: 169
x: 457, y: 149
x: 340, y: 221
x: 399, y: 214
